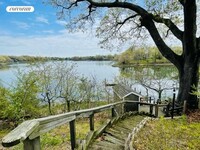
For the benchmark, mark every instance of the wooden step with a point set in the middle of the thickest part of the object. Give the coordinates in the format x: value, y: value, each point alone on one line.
x: 106, y: 145
x: 113, y: 139
x: 116, y: 134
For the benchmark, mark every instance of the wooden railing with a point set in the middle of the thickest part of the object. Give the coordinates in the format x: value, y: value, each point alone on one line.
x: 29, y: 131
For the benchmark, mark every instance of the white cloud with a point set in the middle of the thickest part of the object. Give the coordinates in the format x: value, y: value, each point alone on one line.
x: 61, y: 45
x: 22, y: 25
x: 42, y: 19
x: 61, y: 22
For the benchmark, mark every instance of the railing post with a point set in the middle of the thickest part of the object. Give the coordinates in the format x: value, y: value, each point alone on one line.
x: 33, y: 144
x: 151, y: 109
x: 156, y: 110
x: 173, y: 102
x: 91, y: 122
x: 113, y: 114
x: 72, y: 134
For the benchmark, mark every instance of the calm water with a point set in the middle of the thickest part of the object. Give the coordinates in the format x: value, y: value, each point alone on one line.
x: 100, y: 69
x: 103, y: 70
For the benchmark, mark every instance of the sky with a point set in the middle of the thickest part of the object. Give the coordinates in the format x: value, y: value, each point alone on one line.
x: 40, y: 33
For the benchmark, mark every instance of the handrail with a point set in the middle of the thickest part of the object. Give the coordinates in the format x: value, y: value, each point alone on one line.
x: 34, y: 128
x: 29, y: 131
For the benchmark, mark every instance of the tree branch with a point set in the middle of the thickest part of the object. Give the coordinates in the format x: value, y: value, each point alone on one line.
x: 174, y: 29
x: 125, y: 20
x: 147, y: 22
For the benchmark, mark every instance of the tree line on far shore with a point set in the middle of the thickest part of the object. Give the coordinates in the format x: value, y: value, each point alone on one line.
x: 133, y: 55
x: 21, y: 59
x: 143, y: 55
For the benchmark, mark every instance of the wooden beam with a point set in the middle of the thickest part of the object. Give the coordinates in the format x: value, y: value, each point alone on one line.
x: 91, y: 118
x: 156, y: 110
x: 113, y: 113
x: 32, y: 144
x: 72, y: 134
x: 151, y: 109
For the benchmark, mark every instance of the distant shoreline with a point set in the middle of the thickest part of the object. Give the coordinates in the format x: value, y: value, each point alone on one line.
x: 8, y: 60
x: 141, y: 64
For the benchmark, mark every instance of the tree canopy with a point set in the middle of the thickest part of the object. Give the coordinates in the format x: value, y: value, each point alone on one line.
x: 119, y: 21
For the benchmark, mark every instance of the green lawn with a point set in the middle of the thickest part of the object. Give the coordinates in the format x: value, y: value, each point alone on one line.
x: 162, y: 134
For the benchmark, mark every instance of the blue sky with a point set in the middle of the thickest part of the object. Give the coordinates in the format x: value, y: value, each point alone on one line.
x: 40, y: 33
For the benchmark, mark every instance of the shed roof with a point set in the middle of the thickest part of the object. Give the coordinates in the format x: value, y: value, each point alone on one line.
x: 123, y: 91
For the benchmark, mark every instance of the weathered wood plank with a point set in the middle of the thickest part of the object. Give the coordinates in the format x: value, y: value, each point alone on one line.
x: 113, y: 139
x: 103, y: 128
x: 47, y: 126
x: 20, y: 133
x: 89, y: 139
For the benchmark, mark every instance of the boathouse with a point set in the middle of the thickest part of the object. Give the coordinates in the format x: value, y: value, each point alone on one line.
x: 123, y: 92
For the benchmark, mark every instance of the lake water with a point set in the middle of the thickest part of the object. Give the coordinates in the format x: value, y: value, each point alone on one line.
x: 100, y: 69
x: 103, y: 70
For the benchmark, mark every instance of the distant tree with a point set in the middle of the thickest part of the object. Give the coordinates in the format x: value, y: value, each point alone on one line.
x: 47, y: 81
x: 67, y: 78
x: 152, y: 78
x: 121, y: 20
x: 157, y: 79
x: 86, y: 90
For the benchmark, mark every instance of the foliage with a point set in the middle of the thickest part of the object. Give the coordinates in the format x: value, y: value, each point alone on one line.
x: 142, y: 55
x: 4, y: 59
x: 92, y: 58
x: 14, y: 59
x: 168, y: 134
x: 4, y: 103
x: 23, y: 97
x: 20, y: 100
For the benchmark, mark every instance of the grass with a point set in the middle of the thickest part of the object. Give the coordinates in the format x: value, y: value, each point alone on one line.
x: 169, y: 135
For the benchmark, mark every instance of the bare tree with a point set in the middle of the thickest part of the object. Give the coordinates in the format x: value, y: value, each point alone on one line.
x: 47, y: 81
x: 68, y: 83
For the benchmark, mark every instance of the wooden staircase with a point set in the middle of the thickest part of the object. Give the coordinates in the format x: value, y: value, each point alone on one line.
x: 114, y: 138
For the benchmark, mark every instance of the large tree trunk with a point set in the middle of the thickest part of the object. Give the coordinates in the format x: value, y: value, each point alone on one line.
x: 188, y: 82
x: 189, y: 69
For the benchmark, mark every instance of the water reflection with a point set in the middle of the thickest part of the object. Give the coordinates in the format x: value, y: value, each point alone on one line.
x: 155, y: 81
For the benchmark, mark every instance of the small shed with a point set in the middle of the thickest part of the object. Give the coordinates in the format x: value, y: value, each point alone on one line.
x: 123, y: 92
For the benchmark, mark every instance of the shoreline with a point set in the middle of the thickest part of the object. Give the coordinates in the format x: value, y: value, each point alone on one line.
x: 141, y: 64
